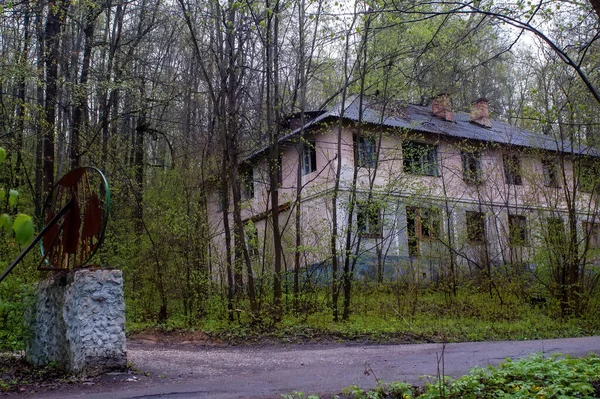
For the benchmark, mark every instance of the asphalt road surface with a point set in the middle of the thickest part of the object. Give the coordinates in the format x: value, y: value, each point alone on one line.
x: 187, y: 371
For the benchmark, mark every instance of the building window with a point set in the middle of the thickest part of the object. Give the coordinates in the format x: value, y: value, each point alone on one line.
x: 592, y: 230
x: 251, y: 239
x: 368, y: 219
x: 366, y: 151
x: 587, y: 177
x: 420, y: 159
x: 555, y: 231
x: 475, y: 227
x: 512, y: 169
x: 471, y: 163
x: 219, y: 195
x: 422, y: 224
x: 550, y: 168
x: 309, y: 158
x: 246, y: 175
x: 517, y: 230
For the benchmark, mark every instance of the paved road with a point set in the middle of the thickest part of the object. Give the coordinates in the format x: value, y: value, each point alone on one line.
x: 185, y: 371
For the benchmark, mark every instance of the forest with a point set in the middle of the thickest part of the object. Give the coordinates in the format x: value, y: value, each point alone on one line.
x: 169, y: 98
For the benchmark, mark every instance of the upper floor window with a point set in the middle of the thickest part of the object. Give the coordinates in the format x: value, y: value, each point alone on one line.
x: 246, y: 175
x: 588, y: 177
x: 309, y: 158
x: 366, y: 151
x: 475, y: 227
x: 592, y: 231
x: 368, y: 219
x: 550, y: 169
x: 517, y: 230
x: 420, y: 158
x: 471, y: 164
x: 512, y: 169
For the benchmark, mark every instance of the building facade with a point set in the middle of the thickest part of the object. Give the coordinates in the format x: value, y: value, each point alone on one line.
x: 422, y: 190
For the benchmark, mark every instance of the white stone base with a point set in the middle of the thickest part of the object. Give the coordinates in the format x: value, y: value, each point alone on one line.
x: 78, y: 322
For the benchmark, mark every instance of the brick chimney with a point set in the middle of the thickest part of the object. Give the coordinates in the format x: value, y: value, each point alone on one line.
x: 480, y: 114
x: 442, y: 106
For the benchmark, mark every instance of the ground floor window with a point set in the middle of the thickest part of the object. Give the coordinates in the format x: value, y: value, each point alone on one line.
x: 422, y: 224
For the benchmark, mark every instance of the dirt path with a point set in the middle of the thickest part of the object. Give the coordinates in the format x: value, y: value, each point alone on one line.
x: 191, y: 371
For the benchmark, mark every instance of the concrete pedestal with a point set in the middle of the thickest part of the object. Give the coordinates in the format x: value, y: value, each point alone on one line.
x: 78, y: 322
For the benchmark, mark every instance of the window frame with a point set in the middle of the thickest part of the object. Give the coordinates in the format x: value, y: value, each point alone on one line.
x: 368, y: 219
x: 555, y: 231
x: 251, y: 239
x: 420, y: 158
x: 512, y: 169
x: 587, y: 177
x: 550, y: 172
x: 476, y: 234
x: 518, y: 226
x: 246, y: 177
x: 366, y: 151
x: 309, y: 157
x: 471, y: 167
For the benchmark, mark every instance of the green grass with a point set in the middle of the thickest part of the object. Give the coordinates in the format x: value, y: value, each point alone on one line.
x: 381, y: 316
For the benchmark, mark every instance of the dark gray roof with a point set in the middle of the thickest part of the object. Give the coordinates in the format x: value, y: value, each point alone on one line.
x: 420, y: 118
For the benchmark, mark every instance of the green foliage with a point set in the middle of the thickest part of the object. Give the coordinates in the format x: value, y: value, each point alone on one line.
x: 298, y: 395
x: 5, y: 222
x: 2, y: 154
x: 23, y: 227
x: 15, y: 298
x: 13, y: 198
x: 534, y: 377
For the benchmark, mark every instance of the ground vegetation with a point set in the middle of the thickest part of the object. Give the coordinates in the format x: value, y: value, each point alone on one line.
x: 170, y: 98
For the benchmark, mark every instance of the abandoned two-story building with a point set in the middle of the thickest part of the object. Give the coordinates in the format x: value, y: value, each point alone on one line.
x: 431, y: 188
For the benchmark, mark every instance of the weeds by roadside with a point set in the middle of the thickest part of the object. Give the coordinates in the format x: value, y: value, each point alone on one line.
x: 537, y: 376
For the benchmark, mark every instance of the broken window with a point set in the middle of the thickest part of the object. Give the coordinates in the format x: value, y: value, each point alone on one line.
x: 420, y: 158
x: 366, y: 151
x: 517, y: 227
x: 246, y: 175
x: 512, y: 169
x: 368, y: 219
x: 471, y: 163
x: 422, y: 224
x: 550, y: 168
x: 475, y: 227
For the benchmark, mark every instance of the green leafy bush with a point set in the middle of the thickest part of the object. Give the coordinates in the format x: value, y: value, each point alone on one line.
x: 537, y: 376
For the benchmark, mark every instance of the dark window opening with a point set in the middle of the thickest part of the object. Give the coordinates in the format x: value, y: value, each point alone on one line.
x: 366, y: 151
x: 246, y: 175
x: 471, y: 163
x: 512, y: 169
x: 251, y: 239
x: 368, y: 219
x: 555, y: 231
x: 420, y: 159
x: 550, y: 168
x: 517, y: 227
x: 422, y: 224
x: 475, y: 227
x: 588, y: 177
